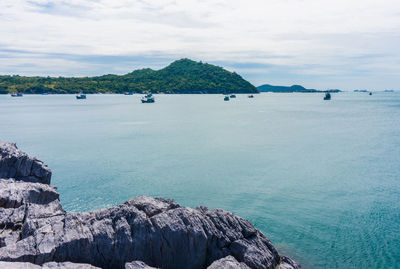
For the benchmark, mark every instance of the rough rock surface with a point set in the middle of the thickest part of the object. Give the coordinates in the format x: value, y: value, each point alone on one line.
x: 137, y: 265
x: 49, y: 265
x: 229, y: 262
x: 287, y: 263
x: 152, y: 232
x: 17, y: 164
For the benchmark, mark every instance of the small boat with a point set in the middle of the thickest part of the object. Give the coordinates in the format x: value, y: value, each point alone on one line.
x: 226, y: 98
x: 370, y: 93
x: 251, y: 96
x: 327, y: 96
x: 81, y: 96
x: 128, y: 93
x: 19, y: 94
x: 148, y: 98
x: 233, y: 96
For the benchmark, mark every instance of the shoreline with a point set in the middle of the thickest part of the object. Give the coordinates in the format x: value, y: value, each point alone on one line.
x: 143, y: 231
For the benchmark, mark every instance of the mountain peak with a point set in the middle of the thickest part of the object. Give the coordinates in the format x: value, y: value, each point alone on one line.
x: 184, y: 62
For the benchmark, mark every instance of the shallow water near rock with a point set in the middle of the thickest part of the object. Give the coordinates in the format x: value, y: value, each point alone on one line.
x: 319, y: 178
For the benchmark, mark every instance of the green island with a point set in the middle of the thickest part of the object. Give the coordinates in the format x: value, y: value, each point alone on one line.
x: 182, y: 76
x: 293, y: 88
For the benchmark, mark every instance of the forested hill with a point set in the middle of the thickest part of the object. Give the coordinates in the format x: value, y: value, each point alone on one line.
x: 181, y: 76
x: 293, y: 88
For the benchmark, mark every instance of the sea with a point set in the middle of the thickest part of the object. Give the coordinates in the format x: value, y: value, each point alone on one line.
x: 321, y: 179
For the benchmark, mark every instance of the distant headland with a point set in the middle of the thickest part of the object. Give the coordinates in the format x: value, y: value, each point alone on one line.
x: 293, y: 88
x: 182, y: 76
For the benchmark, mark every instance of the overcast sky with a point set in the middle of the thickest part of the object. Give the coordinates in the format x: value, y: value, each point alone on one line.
x: 344, y: 44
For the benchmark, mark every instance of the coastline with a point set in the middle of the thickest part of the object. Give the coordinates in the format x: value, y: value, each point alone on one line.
x: 155, y: 231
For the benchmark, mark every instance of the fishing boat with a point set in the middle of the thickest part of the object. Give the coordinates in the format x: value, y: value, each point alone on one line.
x: 19, y: 94
x: 128, y: 93
x: 148, y: 98
x: 226, y: 98
x: 251, y: 96
x: 370, y: 93
x: 327, y: 96
x: 81, y: 96
x: 233, y: 96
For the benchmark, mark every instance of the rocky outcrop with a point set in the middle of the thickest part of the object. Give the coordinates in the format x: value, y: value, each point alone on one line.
x: 143, y: 232
x: 18, y: 165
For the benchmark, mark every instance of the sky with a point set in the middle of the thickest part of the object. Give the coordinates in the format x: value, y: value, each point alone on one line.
x: 344, y: 44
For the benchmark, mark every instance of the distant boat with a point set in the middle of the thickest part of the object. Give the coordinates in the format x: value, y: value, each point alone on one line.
x: 233, y: 96
x: 148, y: 98
x: 45, y: 93
x: 251, y: 96
x: 19, y: 94
x: 81, y: 96
x: 128, y: 93
x: 370, y: 93
x: 327, y: 96
x: 226, y: 98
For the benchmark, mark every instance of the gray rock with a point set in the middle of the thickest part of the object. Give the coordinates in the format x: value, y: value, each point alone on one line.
x: 49, y: 265
x: 159, y: 232
x: 67, y: 265
x: 17, y: 164
x: 19, y: 265
x: 229, y: 262
x: 287, y: 263
x: 13, y: 194
x: 21, y: 205
x: 138, y: 265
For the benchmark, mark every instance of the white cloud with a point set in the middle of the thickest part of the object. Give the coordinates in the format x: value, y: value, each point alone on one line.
x: 335, y: 36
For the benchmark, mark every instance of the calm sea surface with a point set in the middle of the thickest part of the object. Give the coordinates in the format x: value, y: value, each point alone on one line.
x: 320, y: 178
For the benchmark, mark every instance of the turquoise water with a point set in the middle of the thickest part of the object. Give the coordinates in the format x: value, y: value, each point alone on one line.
x: 320, y: 178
